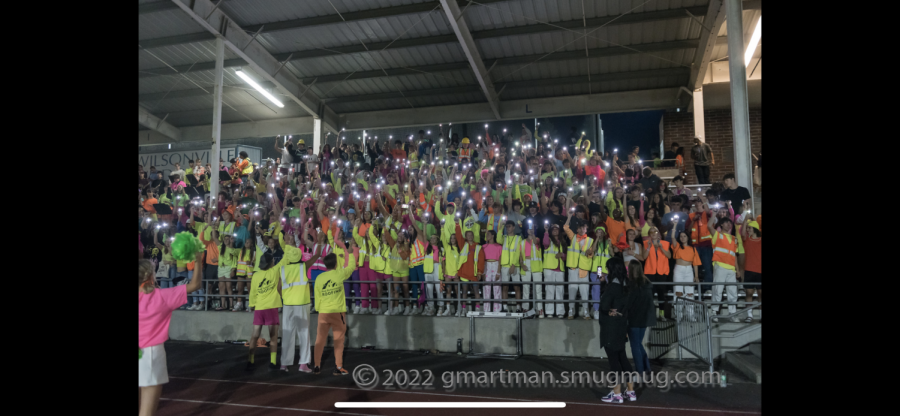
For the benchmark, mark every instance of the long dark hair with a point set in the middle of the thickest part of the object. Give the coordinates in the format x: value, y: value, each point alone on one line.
x: 636, y: 277
x: 678, y: 240
x: 555, y: 240
x: 616, y: 267
x: 656, y: 221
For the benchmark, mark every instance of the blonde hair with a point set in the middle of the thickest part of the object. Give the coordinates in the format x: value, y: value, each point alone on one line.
x: 146, y: 276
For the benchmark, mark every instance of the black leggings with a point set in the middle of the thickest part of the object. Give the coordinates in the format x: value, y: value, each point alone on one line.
x: 618, y: 361
x: 660, y: 290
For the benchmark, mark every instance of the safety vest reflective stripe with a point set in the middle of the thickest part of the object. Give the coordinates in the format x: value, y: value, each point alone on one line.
x: 418, y: 253
x: 726, y: 251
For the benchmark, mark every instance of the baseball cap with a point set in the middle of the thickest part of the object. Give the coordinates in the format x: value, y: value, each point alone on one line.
x: 351, y: 211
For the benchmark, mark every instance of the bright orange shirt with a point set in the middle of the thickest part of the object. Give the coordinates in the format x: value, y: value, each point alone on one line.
x: 689, y: 255
x: 753, y: 254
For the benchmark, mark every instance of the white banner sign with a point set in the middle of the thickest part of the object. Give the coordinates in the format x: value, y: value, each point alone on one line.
x: 165, y: 162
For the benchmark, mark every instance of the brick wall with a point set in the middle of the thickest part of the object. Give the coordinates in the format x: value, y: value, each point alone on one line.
x: 679, y: 127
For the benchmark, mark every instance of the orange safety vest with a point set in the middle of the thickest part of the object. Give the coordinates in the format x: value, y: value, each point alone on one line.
x: 699, y: 230
x: 725, y: 251
x: 656, y: 262
x: 417, y: 254
x: 465, y: 153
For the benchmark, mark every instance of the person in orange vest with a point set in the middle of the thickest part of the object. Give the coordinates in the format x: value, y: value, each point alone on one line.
x: 701, y: 239
x: 752, y: 237
x: 656, y: 257
x: 726, y: 266
x: 465, y: 153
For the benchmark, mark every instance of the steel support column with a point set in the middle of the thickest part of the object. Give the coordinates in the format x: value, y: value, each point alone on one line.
x: 740, y: 109
x: 699, y: 126
x: 217, y: 116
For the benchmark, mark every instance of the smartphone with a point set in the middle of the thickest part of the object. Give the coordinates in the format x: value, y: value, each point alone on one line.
x: 404, y: 206
x: 599, y: 270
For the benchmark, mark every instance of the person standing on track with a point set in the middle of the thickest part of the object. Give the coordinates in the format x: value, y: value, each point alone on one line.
x: 613, y: 329
x: 265, y: 299
x: 155, y: 308
x: 332, y: 306
x: 295, y: 297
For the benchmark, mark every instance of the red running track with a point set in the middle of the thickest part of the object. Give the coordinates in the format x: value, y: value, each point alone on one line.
x: 195, y: 396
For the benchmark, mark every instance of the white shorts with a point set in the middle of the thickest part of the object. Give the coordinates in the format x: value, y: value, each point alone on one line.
x: 506, y: 276
x: 152, y: 369
x: 684, y: 274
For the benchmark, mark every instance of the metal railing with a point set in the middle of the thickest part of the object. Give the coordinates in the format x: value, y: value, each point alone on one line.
x: 695, y: 330
x: 475, y: 298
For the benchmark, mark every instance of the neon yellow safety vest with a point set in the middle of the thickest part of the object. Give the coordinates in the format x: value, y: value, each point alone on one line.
x: 510, y: 256
x: 249, y: 169
x: 550, y: 260
x: 536, y: 264
x: 386, y: 259
x: 464, y: 257
x: 294, y: 284
x: 376, y: 259
x: 576, y: 257
x: 429, y: 265
x: 600, y: 258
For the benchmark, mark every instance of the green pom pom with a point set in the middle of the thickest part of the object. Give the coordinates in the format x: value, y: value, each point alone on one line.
x: 186, y: 246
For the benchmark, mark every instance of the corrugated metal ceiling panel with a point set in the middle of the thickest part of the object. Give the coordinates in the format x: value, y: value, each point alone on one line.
x: 184, y: 54
x: 166, y: 23
x: 250, y: 12
x: 386, y: 29
x: 373, y: 61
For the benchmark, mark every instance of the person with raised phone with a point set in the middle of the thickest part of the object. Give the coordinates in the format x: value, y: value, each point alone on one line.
x: 578, y: 262
x: 331, y: 303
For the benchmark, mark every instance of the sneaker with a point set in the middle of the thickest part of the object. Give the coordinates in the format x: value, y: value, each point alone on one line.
x: 570, y: 316
x: 398, y: 310
x: 662, y: 318
x: 356, y: 309
x: 389, y: 312
x: 597, y: 315
x: 406, y: 311
x: 612, y: 398
x: 715, y: 319
x: 304, y: 368
x: 735, y: 319
x: 316, y: 370
x: 339, y: 371
x: 631, y: 396
x: 562, y: 316
x: 541, y: 314
x: 749, y: 319
x: 284, y: 368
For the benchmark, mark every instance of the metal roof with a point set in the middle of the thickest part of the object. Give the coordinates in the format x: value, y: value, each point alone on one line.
x: 534, y: 49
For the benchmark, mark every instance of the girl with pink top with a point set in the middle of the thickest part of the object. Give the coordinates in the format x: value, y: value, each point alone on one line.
x: 155, y: 308
x: 492, y: 252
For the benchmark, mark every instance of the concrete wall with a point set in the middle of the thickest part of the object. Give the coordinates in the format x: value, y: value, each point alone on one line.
x: 543, y: 337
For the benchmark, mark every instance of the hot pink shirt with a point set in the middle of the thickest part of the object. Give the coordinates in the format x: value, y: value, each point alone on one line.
x: 155, y: 312
x: 492, y: 251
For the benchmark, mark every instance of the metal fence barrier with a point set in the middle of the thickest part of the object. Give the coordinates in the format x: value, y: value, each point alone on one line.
x: 475, y: 298
x: 695, y: 330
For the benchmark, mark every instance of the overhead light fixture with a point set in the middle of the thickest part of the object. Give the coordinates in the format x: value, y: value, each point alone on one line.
x: 258, y: 88
x: 754, y: 41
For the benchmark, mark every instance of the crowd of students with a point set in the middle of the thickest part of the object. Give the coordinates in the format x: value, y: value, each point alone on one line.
x: 433, y: 215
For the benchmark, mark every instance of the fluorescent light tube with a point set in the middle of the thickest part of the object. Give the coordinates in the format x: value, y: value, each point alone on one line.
x: 259, y: 88
x: 754, y: 40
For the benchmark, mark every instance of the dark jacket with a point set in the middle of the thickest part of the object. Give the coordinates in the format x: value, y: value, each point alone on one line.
x: 639, y: 308
x: 613, y: 329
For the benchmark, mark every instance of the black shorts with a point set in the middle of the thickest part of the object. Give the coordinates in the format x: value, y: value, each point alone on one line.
x: 753, y: 277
